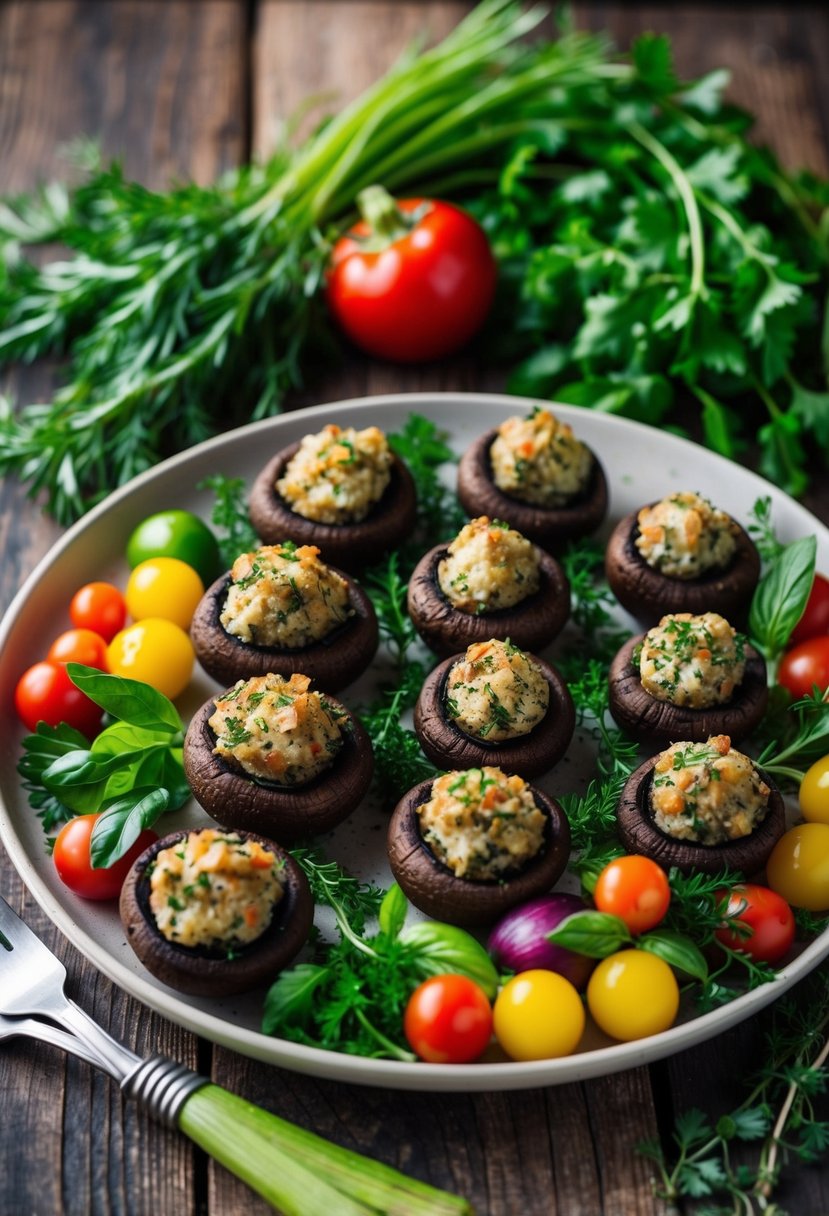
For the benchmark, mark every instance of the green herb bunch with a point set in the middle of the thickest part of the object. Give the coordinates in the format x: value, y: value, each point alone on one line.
x: 175, y: 304
x: 655, y: 254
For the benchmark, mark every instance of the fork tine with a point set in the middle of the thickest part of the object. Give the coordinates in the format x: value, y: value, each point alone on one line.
x: 33, y: 979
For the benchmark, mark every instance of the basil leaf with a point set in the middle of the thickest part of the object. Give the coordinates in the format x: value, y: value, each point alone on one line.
x: 440, y: 948
x: 393, y: 909
x: 164, y: 767
x: 290, y: 998
x: 84, y: 768
x: 595, y: 934
x: 122, y: 820
x: 677, y: 951
x: 127, y: 700
x: 780, y: 598
x: 122, y: 737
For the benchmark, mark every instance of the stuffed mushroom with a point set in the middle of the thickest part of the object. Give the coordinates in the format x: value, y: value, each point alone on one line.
x: 534, y: 473
x: 471, y: 844
x: 282, y: 609
x: 214, y: 912
x: 682, y: 554
x: 495, y: 704
x: 489, y: 582
x: 701, y: 806
x: 273, y: 756
x: 689, y: 677
x: 341, y: 489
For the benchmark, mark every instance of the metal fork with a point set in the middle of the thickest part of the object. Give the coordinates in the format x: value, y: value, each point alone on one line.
x: 32, y: 983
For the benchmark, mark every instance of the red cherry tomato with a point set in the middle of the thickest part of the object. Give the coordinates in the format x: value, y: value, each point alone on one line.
x: 99, y: 607
x: 635, y: 889
x: 769, y: 917
x: 45, y: 693
x: 815, y: 620
x: 448, y: 1020
x: 74, y: 865
x: 413, y: 281
x: 804, y: 666
x: 79, y: 646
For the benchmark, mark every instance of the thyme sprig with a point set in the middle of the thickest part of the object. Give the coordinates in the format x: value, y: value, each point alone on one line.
x: 779, y: 1112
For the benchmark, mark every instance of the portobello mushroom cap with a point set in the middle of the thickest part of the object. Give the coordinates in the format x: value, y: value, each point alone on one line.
x: 648, y: 595
x: 197, y: 970
x: 551, y: 527
x: 650, y: 720
x: 352, y: 546
x: 531, y: 624
x: 334, y: 661
x: 434, y: 889
x: 449, y: 747
x: 639, y: 833
x: 290, y: 813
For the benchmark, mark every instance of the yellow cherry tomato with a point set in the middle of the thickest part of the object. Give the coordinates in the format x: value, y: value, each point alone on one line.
x: 633, y: 994
x: 814, y: 792
x: 538, y: 1015
x: 155, y: 651
x: 164, y: 587
x: 798, y: 868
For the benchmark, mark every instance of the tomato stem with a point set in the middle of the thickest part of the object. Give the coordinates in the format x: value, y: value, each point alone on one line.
x: 386, y: 221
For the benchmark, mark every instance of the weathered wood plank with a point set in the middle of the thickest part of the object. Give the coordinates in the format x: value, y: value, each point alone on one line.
x: 162, y: 86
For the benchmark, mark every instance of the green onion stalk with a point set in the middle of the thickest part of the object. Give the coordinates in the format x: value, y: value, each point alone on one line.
x: 177, y: 304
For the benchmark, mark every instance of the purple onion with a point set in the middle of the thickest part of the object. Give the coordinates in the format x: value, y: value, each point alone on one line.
x: 519, y: 943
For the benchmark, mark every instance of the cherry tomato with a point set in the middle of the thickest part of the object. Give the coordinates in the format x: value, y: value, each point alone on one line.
x: 164, y: 587
x: 815, y: 620
x: 769, y: 917
x: 635, y: 889
x: 79, y: 646
x: 99, y: 607
x: 413, y: 280
x: 798, y: 868
x: 632, y: 994
x: 814, y: 792
x: 45, y: 693
x: 178, y: 534
x: 448, y: 1020
x: 155, y: 651
x: 74, y: 865
x: 538, y: 1015
x: 804, y: 666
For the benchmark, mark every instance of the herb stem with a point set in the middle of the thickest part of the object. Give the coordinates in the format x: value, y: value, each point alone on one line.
x: 686, y: 193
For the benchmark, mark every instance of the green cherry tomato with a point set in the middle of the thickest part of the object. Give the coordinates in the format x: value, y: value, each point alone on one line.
x: 814, y: 792
x: 178, y: 534
x: 633, y: 994
x: 798, y: 868
x: 538, y: 1015
x: 154, y: 651
x: 164, y: 587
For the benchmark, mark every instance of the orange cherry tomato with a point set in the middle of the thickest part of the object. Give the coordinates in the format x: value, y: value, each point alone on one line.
x: 79, y: 646
x: 635, y: 889
x: 99, y: 607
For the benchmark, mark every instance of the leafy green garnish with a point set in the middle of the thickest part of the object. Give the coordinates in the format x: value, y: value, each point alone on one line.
x: 780, y: 597
x: 129, y: 775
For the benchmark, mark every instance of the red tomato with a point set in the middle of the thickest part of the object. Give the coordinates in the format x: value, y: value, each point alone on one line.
x: 79, y: 646
x: 635, y: 889
x: 74, y: 866
x: 768, y: 916
x: 99, y: 607
x: 413, y: 281
x: 804, y: 666
x: 448, y: 1020
x: 815, y: 620
x: 45, y: 693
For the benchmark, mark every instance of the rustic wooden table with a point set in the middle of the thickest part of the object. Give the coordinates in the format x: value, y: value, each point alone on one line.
x: 183, y: 89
